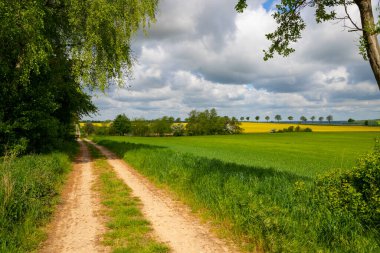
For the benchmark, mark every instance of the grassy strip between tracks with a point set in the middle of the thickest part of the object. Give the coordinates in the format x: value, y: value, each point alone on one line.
x: 128, y: 230
x: 29, y: 190
x: 261, y: 208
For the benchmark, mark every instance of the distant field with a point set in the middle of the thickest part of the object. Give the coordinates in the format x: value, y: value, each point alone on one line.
x: 302, y: 153
x: 252, y: 127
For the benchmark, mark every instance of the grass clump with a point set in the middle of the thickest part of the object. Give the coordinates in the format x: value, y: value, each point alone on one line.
x: 261, y: 208
x: 29, y: 190
x: 356, y: 191
x: 128, y: 230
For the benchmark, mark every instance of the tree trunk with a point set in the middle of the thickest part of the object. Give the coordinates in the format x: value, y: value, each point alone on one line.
x: 370, y: 36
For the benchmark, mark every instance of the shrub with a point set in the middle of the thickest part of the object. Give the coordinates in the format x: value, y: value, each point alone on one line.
x: 291, y: 129
x: 29, y: 187
x: 356, y: 191
x: 307, y: 129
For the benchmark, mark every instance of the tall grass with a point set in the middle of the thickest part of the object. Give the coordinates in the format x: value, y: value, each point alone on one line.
x: 29, y: 188
x: 261, y: 208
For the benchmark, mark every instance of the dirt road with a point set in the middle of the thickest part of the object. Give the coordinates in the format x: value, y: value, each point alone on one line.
x: 77, y: 226
x: 172, y: 221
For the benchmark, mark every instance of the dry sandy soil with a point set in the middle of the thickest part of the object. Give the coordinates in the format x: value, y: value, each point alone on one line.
x: 78, y: 227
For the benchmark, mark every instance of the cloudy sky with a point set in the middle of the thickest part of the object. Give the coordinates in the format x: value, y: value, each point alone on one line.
x: 202, y: 54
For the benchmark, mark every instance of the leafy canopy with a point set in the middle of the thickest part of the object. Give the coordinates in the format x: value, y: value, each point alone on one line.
x: 290, y: 23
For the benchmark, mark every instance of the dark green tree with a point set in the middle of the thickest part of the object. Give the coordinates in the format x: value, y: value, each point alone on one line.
x: 49, y: 51
x: 267, y: 118
x: 208, y: 123
x: 257, y: 118
x: 278, y: 117
x: 321, y: 119
x: 290, y: 118
x: 288, y: 15
x: 303, y: 119
x: 121, y: 125
x: 312, y: 118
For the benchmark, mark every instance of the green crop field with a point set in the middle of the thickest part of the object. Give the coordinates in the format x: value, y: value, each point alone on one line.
x: 304, y: 154
x: 263, y: 190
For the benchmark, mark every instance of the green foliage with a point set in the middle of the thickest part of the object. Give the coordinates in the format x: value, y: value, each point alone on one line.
x: 350, y: 120
x: 140, y: 127
x: 278, y: 117
x: 162, y: 126
x: 121, y: 125
x: 29, y: 188
x: 288, y: 16
x: 209, y: 123
x: 50, y: 51
x: 356, y: 191
x: 292, y: 129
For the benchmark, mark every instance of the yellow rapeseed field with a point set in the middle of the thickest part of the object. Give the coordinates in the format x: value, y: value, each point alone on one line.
x: 252, y: 127
x: 97, y: 124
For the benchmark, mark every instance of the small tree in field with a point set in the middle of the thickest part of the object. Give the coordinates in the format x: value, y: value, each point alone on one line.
x: 329, y: 118
x: 241, y: 118
x: 321, y: 119
x: 121, y: 125
x: 290, y: 118
x: 267, y: 118
x: 312, y: 118
x: 247, y: 118
x: 278, y: 117
x: 257, y: 118
x: 303, y: 119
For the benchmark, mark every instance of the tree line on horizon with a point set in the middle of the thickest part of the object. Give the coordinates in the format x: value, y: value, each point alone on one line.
x: 278, y: 118
x: 206, y: 122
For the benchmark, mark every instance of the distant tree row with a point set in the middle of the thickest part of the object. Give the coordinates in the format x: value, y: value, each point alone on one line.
x: 198, y: 123
x: 278, y: 118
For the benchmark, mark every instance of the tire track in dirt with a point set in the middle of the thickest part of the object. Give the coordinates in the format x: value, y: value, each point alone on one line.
x: 172, y: 221
x: 77, y: 225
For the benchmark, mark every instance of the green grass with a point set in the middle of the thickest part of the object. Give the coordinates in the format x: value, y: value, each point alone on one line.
x: 128, y: 231
x: 305, y: 154
x: 29, y: 190
x: 269, y: 203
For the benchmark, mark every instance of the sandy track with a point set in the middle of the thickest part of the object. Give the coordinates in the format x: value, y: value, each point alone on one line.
x: 172, y: 221
x: 76, y: 226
